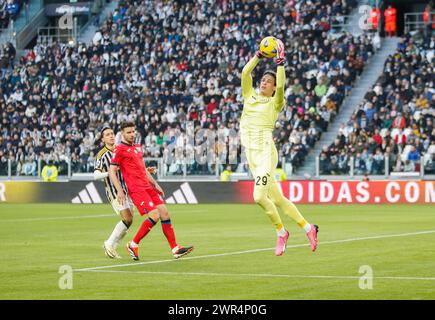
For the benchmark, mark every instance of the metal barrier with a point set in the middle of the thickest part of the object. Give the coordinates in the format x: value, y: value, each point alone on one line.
x: 8, y: 34
x: 387, y: 172
x: 338, y: 23
x: 48, y: 35
x: 415, y: 21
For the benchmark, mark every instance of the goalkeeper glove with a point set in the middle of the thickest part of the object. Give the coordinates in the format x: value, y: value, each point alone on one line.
x: 280, y: 56
x: 259, y: 54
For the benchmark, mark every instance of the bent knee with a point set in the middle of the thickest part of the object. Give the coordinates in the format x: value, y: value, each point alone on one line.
x: 155, y: 215
x: 163, y: 212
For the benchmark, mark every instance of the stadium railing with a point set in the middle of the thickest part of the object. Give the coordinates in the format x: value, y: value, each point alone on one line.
x: 414, y: 21
x: 340, y: 22
x: 386, y: 172
x: 8, y: 34
x: 81, y: 170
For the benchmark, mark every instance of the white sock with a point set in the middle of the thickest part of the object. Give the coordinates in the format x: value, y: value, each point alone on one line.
x: 133, y: 244
x: 117, y: 234
x: 281, y: 232
x: 175, y: 249
x: 307, y: 227
x: 120, y: 237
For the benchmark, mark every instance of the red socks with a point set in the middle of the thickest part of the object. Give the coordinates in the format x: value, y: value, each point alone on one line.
x: 146, y: 227
x: 169, y: 233
x: 148, y: 224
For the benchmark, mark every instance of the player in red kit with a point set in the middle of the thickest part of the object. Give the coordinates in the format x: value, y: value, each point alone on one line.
x: 143, y: 190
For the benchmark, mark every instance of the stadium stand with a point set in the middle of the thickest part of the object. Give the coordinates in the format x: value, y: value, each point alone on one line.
x: 394, y: 123
x: 162, y: 63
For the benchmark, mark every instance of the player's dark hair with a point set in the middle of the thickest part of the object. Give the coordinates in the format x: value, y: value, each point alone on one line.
x: 127, y: 124
x: 102, y: 131
x: 270, y: 73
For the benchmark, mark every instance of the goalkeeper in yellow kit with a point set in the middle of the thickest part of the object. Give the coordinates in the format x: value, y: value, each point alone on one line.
x: 260, y: 112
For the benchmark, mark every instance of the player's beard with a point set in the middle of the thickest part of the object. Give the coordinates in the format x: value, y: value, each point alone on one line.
x: 130, y: 141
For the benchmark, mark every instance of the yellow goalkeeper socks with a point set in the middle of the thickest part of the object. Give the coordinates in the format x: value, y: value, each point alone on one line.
x: 288, y: 207
x: 261, y: 198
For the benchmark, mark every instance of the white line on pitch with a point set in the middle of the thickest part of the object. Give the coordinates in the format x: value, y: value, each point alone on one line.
x: 257, y: 250
x: 79, y: 217
x: 60, y: 218
x: 212, y: 274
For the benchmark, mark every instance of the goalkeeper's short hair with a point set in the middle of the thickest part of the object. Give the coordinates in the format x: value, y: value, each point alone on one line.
x: 270, y: 73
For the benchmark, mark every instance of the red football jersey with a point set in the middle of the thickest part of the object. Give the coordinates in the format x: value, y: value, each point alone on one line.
x: 129, y: 158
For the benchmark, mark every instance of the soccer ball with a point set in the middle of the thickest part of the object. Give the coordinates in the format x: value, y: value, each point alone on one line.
x: 268, y: 47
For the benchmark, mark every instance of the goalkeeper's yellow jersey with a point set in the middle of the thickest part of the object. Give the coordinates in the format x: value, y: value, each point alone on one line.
x: 259, y: 112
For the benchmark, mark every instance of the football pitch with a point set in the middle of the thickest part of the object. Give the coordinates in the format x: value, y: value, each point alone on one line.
x: 233, y: 257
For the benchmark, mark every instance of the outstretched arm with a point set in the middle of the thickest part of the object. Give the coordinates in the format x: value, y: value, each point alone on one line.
x: 280, y: 76
x: 247, y: 77
x: 280, y: 82
x: 98, y: 175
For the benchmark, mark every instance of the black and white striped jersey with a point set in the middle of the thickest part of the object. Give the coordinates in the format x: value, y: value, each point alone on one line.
x: 102, y: 163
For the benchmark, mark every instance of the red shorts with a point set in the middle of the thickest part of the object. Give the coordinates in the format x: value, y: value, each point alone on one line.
x: 146, y: 201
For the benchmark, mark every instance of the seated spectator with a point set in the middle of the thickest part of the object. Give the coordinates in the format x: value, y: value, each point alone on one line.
x: 409, y: 166
x: 429, y: 166
x: 29, y: 167
x: 414, y: 155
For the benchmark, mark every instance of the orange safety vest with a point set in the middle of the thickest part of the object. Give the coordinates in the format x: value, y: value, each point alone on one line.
x: 390, y: 15
x: 374, y: 17
x: 390, y: 20
x: 426, y: 18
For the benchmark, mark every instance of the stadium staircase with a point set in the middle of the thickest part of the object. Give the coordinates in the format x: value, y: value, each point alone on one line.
x: 368, y: 77
x: 24, y: 29
x: 89, y: 31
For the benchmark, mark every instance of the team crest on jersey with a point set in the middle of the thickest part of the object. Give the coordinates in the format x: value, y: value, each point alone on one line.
x: 138, y: 150
x: 151, y: 204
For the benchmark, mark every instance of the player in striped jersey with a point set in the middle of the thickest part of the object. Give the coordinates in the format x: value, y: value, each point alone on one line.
x: 102, y: 164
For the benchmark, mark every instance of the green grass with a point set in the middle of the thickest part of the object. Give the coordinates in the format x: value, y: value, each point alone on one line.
x: 35, y: 240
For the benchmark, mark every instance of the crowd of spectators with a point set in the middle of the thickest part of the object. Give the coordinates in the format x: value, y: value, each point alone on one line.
x: 395, y: 122
x: 163, y: 63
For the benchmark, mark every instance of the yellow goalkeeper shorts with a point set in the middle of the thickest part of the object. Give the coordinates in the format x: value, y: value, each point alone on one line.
x: 262, y: 164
